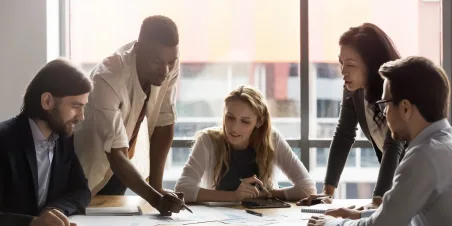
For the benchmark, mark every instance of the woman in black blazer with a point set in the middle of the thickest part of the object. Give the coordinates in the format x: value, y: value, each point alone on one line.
x: 363, y: 50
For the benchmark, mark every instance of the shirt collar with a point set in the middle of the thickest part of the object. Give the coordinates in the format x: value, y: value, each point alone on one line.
x: 37, y: 134
x: 428, y: 131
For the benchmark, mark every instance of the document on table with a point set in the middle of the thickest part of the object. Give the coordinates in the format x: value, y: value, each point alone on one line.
x: 113, y: 211
x: 82, y: 220
x: 200, y: 214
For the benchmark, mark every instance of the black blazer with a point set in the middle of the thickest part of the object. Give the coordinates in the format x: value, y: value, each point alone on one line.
x: 68, y: 187
x: 352, y: 113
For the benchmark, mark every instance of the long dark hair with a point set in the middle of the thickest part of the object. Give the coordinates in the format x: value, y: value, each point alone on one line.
x: 58, y: 77
x: 375, y: 48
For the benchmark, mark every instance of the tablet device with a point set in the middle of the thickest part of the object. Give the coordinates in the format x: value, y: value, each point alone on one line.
x: 264, y: 203
x: 221, y: 204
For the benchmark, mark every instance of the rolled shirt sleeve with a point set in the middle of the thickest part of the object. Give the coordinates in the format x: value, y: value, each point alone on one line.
x: 167, y: 115
x: 107, y: 119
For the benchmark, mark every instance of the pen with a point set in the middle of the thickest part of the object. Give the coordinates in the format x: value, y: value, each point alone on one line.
x: 259, y: 187
x: 188, y: 209
x: 254, y: 213
x: 183, y: 205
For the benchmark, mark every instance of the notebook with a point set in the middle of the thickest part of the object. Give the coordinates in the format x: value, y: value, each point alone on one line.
x: 113, y: 211
x: 322, y: 208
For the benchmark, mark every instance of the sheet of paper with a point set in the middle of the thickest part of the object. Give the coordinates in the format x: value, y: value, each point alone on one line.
x: 240, y: 216
x: 293, y: 215
x: 200, y: 214
x: 113, y: 211
x: 82, y: 220
x: 292, y: 222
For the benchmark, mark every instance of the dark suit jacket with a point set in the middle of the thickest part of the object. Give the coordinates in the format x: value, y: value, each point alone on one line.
x: 352, y: 113
x: 68, y: 187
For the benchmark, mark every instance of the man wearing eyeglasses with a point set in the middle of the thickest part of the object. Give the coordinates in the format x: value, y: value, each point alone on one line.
x: 416, y: 105
x: 137, y: 81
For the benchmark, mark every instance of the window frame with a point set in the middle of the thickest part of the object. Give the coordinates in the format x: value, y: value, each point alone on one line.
x: 304, y: 142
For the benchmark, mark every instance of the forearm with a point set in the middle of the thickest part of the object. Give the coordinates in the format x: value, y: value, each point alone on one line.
x: 343, y: 139
x: 161, y: 141
x: 329, y: 189
x: 336, y: 161
x: 295, y: 192
x: 130, y: 177
x: 279, y: 193
x: 207, y: 195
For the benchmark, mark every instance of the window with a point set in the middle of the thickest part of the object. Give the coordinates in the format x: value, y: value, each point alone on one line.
x: 223, y: 44
x: 227, y: 43
x: 327, y: 21
x: 246, y: 52
x: 352, y: 184
x: 328, y: 70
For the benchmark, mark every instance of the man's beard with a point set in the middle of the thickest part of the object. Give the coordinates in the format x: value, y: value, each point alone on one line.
x: 56, y: 123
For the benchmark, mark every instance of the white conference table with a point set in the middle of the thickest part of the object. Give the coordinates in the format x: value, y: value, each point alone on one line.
x: 276, y: 216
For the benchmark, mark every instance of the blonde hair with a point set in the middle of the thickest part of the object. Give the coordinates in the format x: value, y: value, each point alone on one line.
x: 260, y: 140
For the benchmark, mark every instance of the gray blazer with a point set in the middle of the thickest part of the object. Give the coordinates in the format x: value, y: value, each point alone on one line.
x: 353, y: 112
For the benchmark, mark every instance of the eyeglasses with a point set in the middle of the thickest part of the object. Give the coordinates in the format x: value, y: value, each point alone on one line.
x: 382, y: 105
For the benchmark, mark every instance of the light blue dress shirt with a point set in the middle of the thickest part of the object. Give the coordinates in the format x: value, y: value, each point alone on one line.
x: 422, y: 189
x: 44, y: 156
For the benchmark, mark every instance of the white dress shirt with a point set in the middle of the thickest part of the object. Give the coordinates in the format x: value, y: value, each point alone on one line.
x: 378, y: 134
x: 112, y: 112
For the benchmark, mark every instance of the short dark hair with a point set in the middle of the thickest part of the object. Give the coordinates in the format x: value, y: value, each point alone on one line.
x: 160, y: 29
x: 375, y: 48
x: 58, y: 77
x: 420, y: 81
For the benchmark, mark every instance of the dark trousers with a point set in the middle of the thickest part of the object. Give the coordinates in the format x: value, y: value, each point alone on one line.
x: 113, y: 187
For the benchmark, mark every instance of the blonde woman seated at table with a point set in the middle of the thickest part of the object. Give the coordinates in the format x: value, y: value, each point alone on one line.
x: 226, y: 161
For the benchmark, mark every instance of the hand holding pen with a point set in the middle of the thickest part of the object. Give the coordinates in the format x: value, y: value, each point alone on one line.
x: 263, y: 192
x: 246, y: 188
x: 171, y: 203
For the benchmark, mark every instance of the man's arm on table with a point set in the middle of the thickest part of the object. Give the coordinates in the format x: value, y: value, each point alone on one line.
x: 130, y: 177
x: 163, y: 133
x: 161, y: 141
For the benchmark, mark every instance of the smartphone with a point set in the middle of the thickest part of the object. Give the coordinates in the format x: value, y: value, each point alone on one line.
x: 316, y: 201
